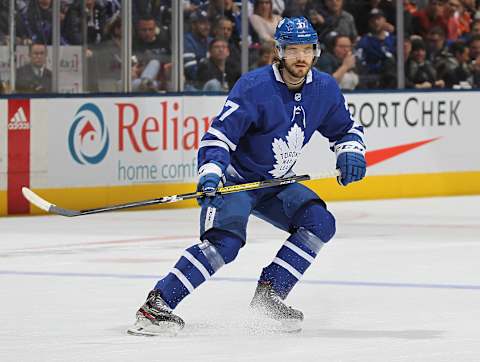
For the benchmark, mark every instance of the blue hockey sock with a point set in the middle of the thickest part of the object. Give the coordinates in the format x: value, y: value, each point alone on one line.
x: 291, y: 261
x: 197, y: 264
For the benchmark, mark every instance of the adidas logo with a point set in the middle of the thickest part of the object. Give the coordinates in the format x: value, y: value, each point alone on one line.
x: 19, y: 121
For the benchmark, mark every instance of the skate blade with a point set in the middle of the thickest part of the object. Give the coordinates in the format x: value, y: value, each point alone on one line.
x: 290, y: 326
x: 146, y: 328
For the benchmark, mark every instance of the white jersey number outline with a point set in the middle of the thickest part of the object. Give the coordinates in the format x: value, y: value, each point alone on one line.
x: 231, y: 107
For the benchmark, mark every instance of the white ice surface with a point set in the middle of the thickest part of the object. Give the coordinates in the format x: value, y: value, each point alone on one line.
x: 399, y: 282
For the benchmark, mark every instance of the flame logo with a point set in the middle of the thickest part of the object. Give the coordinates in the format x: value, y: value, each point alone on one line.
x: 88, y: 138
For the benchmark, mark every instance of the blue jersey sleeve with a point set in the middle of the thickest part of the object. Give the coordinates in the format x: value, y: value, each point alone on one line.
x: 338, y: 121
x: 238, y: 113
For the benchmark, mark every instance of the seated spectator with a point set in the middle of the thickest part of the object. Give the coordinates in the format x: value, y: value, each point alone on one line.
x: 266, y: 54
x: 223, y: 29
x: 339, y: 61
x: 34, y: 77
x: 150, y: 41
x: 459, y: 76
x: 96, y: 17
x: 377, y: 52
x: 475, y: 59
x: 145, y: 78
x: 458, y: 20
x: 195, y: 46
x: 419, y: 72
x: 363, y: 8
x: 337, y: 20
x: 35, y: 24
x: 263, y: 21
x: 224, y: 8
x: 278, y: 7
x: 475, y: 27
x: 105, y: 66
x: 4, y: 21
x: 213, y: 75
x: 474, y: 45
x: 159, y: 10
x: 438, y: 53
x: 308, y: 8
x: 431, y: 16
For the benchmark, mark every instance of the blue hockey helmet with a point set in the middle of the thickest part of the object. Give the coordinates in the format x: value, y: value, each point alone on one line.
x: 295, y: 30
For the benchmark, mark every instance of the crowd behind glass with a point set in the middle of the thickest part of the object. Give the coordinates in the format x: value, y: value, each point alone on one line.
x: 441, y: 43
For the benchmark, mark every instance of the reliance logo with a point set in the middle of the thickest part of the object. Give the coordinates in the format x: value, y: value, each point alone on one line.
x: 88, y: 138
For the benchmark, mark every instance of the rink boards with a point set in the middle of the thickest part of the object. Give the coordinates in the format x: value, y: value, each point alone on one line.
x: 88, y: 152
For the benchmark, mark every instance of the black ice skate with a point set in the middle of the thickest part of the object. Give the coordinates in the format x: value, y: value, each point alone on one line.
x: 267, y: 303
x: 155, y: 318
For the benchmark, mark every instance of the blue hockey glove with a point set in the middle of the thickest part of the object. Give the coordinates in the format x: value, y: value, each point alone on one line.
x: 351, y: 162
x: 209, y: 183
x: 352, y: 167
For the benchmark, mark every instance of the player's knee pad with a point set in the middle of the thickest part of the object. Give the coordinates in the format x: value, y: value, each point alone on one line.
x: 226, y: 244
x: 315, y: 218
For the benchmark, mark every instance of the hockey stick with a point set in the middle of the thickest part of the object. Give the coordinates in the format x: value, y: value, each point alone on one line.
x: 43, y: 204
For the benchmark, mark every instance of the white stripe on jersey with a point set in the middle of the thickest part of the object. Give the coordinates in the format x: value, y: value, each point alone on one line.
x: 215, y: 132
x: 213, y: 143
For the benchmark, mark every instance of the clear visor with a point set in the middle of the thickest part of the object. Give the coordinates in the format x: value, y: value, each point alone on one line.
x: 298, y: 51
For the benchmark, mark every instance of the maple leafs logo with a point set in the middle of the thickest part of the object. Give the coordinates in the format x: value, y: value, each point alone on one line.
x: 287, y: 153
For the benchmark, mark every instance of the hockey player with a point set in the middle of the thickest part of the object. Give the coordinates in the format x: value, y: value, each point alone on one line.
x: 269, y: 115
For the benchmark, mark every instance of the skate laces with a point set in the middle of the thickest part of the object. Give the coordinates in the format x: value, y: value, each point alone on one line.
x: 158, y: 303
x: 277, y: 301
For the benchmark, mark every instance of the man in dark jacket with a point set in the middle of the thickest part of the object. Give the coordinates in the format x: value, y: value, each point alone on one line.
x: 212, y: 73
x: 34, y: 77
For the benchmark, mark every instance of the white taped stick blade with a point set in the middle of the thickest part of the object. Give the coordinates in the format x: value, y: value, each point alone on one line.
x: 36, y: 200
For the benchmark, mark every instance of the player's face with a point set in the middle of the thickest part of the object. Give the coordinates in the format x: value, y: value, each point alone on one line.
x: 299, y: 59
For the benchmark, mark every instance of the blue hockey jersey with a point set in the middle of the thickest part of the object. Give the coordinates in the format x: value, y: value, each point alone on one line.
x: 263, y: 126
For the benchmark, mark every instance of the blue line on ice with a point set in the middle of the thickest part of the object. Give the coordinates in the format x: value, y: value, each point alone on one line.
x: 241, y: 280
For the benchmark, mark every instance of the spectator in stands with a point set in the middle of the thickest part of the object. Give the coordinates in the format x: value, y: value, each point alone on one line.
x: 475, y: 27
x: 96, y: 17
x: 431, y: 16
x: 362, y: 9
x: 4, y: 21
x: 159, y: 10
x: 419, y: 72
x: 377, y: 52
x: 475, y: 59
x: 106, y: 62
x: 266, y: 54
x: 213, y: 75
x: 458, y: 20
x: 337, y: 20
x: 223, y: 29
x: 263, y: 21
x: 459, y: 76
x: 474, y: 45
x: 34, y: 77
x: 278, y: 6
x: 438, y: 53
x: 145, y: 77
x: 339, y: 61
x: 307, y: 8
x: 224, y: 8
x: 195, y: 46
x: 151, y: 42
x: 35, y: 24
